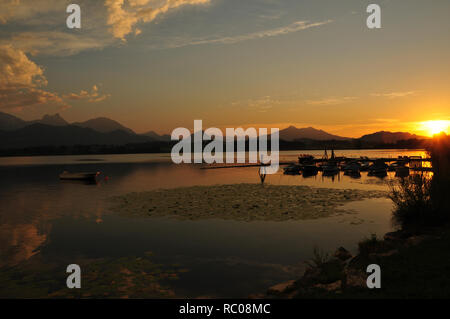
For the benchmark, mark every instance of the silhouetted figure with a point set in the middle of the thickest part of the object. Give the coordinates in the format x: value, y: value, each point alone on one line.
x: 262, y: 174
x: 262, y: 171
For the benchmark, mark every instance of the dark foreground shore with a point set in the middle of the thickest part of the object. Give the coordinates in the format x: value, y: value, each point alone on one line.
x: 412, y: 266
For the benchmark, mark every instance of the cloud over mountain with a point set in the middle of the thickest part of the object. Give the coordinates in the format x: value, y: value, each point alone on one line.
x: 93, y: 96
x: 22, y: 81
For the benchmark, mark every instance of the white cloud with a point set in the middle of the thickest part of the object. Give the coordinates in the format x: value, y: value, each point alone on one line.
x: 262, y: 104
x: 332, y: 100
x: 26, y: 10
x: 394, y: 95
x: 291, y: 28
x: 56, y: 43
x: 93, y: 96
x: 21, y: 81
x: 123, y: 16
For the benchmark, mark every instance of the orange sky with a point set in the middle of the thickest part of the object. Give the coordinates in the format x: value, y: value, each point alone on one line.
x: 157, y: 65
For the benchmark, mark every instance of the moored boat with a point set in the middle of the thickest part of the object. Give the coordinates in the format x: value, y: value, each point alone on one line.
x: 305, y: 159
x: 330, y: 169
x: 292, y: 169
x: 80, y: 176
x: 364, y: 166
x: 352, y: 169
x: 310, y: 170
x: 378, y: 168
x: 393, y: 167
x: 402, y: 171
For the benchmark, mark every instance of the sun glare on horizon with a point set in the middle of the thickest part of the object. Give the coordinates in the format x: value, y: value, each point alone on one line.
x: 435, y: 127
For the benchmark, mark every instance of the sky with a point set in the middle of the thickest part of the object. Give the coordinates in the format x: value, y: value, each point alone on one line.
x: 161, y: 64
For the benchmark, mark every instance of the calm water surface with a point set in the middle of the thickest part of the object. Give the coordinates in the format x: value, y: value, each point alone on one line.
x: 42, y: 217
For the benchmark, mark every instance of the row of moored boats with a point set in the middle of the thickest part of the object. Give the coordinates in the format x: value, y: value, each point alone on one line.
x: 309, y: 166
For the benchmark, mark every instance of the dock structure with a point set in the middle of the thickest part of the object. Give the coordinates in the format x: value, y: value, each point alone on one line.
x: 381, y: 159
x: 338, y: 160
x: 212, y: 166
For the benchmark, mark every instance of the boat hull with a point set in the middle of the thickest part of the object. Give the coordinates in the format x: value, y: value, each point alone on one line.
x: 402, y: 172
x: 310, y: 170
x: 330, y: 171
x: 292, y: 170
x: 78, y: 176
x: 378, y: 172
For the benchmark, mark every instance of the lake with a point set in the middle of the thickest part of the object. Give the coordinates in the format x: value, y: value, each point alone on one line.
x: 46, y: 221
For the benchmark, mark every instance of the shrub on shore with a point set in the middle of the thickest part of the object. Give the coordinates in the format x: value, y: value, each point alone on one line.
x: 421, y: 200
x: 412, y: 200
x: 439, y: 151
x: 371, y: 245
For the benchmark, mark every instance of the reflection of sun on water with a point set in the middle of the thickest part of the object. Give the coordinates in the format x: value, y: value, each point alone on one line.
x: 435, y: 127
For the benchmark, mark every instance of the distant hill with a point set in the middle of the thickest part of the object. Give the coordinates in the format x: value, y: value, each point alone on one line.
x: 384, y: 137
x: 55, y: 120
x: 156, y: 137
x: 104, y: 125
x: 53, y: 130
x: 37, y: 134
x: 9, y: 122
x: 292, y: 134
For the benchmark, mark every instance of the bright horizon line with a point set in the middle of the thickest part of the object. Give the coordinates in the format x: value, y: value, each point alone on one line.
x: 422, y: 128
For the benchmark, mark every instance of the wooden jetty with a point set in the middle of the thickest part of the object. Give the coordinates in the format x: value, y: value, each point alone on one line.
x: 212, y: 166
x: 381, y: 159
x: 338, y: 160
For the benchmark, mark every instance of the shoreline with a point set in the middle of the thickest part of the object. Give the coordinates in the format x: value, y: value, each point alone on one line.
x: 6, y: 153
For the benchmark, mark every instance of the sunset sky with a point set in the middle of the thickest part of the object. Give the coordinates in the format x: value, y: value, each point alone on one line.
x: 160, y: 64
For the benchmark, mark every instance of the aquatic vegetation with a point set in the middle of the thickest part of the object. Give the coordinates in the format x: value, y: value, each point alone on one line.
x: 125, y: 277
x: 244, y: 202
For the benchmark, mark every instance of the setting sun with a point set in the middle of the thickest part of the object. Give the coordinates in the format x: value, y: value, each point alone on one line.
x: 435, y: 127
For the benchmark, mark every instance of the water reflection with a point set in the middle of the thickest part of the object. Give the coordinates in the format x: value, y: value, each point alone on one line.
x: 19, y: 242
x: 48, y: 222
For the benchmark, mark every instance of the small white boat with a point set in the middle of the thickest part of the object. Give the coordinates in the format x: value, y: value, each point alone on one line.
x: 66, y: 175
